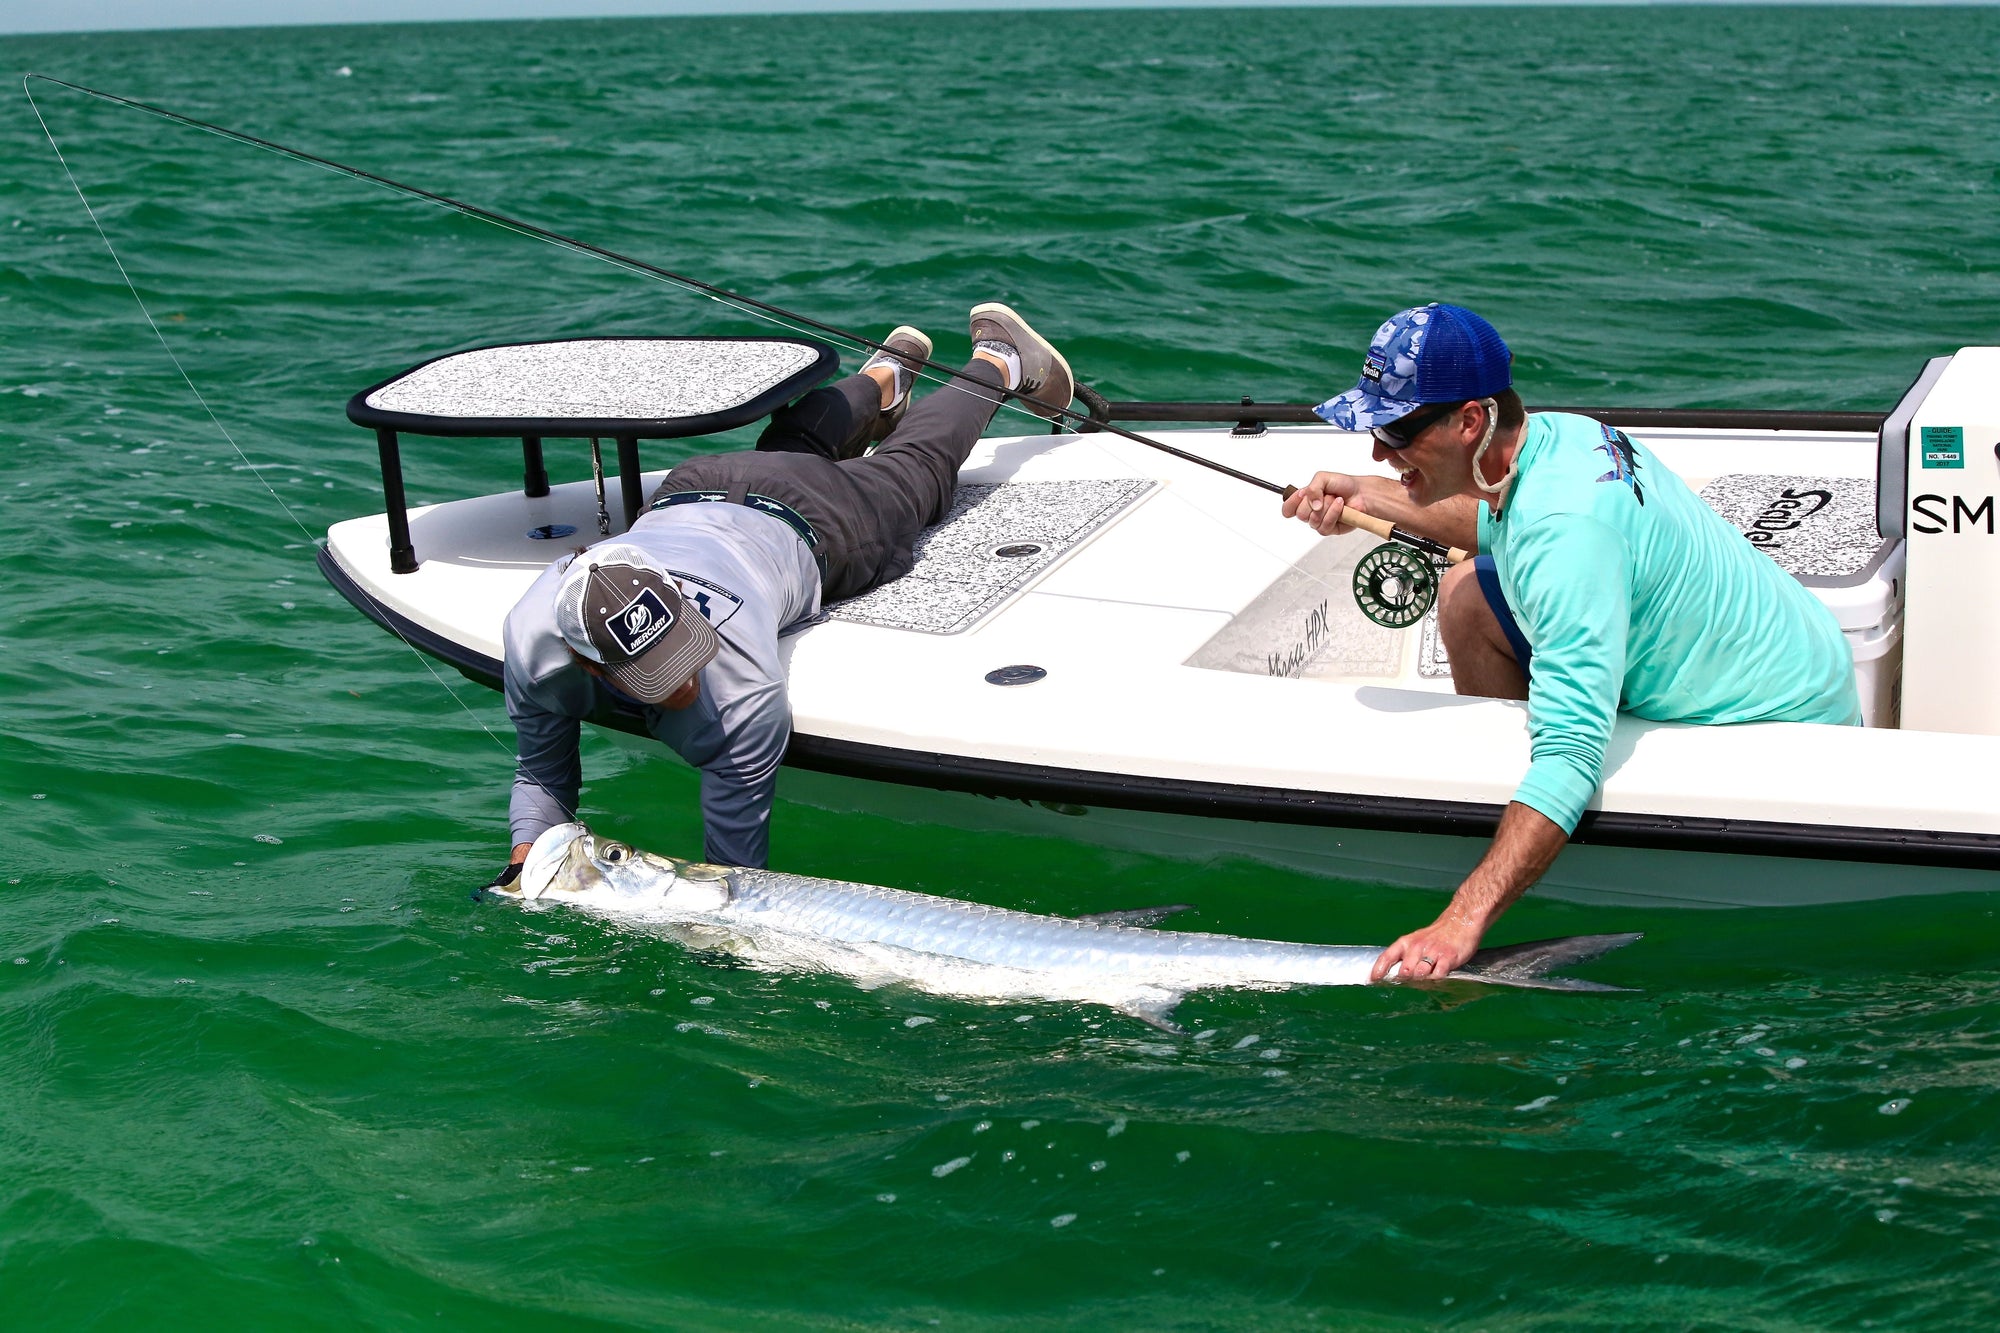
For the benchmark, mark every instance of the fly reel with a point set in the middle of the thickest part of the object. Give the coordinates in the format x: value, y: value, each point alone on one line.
x: 1395, y: 585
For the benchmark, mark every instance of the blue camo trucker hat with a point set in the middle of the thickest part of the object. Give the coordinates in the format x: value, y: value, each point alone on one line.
x: 1427, y: 354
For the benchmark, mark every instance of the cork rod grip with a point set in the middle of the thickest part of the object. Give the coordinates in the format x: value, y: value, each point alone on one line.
x: 1382, y: 527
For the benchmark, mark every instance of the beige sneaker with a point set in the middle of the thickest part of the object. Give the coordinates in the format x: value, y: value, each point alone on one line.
x: 1046, y: 383
x: 908, y: 349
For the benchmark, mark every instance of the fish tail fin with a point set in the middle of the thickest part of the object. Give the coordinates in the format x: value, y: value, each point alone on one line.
x: 1530, y: 964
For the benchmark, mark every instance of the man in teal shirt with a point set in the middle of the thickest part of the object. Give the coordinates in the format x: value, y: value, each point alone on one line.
x: 1603, y: 583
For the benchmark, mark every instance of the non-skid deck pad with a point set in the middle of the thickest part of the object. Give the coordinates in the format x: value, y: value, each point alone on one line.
x: 997, y: 537
x: 1818, y: 529
x: 1433, y: 662
x: 637, y: 378
x: 1305, y: 625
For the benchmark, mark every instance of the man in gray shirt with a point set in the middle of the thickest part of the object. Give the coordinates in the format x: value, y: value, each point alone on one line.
x: 678, y: 619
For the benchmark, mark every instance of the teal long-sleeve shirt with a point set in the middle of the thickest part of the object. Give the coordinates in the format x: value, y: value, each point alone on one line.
x: 1633, y: 594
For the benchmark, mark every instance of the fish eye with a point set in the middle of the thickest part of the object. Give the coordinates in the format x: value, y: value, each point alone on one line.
x: 615, y: 852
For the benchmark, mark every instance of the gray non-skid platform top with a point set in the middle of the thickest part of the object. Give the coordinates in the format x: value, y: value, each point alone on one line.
x: 997, y: 537
x: 595, y: 379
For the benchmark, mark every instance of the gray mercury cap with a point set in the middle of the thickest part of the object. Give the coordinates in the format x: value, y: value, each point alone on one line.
x: 620, y: 610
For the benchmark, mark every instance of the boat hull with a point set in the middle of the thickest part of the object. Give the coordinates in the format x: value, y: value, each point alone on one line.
x: 1595, y: 874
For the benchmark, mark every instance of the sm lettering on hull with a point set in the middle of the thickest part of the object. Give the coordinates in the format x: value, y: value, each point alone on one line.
x: 1936, y: 513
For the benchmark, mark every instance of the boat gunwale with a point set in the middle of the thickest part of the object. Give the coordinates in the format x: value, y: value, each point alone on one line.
x: 1251, y: 413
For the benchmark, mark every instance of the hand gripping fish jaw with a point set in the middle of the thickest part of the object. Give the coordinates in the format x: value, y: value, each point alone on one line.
x: 569, y: 861
x: 548, y: 859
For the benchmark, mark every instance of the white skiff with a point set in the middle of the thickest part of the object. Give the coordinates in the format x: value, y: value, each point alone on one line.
x: 1105, y: 628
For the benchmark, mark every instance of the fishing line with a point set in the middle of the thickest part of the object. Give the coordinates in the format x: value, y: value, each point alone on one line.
x: 749, y: 305
x: 745, y: 304
x: 943, y: 375
x: 223, y: 430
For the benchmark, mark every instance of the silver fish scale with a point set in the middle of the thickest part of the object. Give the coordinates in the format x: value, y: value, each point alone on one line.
x: 869, y: 914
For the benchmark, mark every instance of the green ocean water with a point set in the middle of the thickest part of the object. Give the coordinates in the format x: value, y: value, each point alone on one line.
x: 264, y: 1064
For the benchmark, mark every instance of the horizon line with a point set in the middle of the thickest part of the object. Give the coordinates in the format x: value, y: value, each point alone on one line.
x: 84, y: 17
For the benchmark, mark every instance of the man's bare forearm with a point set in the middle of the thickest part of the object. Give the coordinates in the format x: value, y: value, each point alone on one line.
x: 1524, y: 847
x: 1527, y: 841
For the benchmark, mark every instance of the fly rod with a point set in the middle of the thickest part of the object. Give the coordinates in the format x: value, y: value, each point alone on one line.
x: 521, y: 227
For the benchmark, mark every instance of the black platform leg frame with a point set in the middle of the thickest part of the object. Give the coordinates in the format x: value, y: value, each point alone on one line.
x: 534, y: 474
x: 402, y: 555
x: 629, y: 482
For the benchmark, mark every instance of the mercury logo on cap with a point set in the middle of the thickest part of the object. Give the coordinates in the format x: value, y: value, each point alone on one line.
x: 620, y: 610
x: 638, y: 624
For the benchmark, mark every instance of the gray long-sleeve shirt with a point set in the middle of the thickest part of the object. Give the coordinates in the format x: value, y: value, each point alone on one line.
x: 753, y: 578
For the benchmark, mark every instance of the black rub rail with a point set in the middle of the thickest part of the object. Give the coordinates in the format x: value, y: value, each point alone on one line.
x: 1249, y: 415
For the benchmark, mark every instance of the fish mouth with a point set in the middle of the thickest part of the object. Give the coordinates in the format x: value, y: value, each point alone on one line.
x: 550, y: 858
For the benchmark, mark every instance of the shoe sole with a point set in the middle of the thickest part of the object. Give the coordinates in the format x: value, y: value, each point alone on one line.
x: 1005, y: 313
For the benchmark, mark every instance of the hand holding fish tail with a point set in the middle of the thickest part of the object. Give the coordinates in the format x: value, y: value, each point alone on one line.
x: 1523, y: 848
x: 1430, y: 953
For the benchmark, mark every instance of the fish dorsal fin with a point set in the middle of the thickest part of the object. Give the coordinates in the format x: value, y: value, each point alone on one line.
x: 1134, y: 916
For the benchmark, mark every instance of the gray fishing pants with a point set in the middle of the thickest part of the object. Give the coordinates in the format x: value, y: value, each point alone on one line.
x: 867, y: 513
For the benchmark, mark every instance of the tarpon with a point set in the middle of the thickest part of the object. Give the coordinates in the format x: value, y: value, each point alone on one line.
x: 879, y: 936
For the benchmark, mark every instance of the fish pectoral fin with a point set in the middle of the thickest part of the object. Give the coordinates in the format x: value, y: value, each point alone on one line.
x: 1156, y: 1010
x: 1135, y: 916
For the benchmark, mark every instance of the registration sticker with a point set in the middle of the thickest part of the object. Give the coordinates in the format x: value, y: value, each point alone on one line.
x: 1944, y: 446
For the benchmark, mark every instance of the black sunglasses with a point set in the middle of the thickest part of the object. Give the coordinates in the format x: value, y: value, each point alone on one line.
x: 1397, y: 434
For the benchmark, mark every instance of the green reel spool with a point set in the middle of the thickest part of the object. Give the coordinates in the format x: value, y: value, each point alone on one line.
x: 1394, y: 585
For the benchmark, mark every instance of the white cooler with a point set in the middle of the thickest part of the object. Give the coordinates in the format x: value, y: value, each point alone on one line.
x: 1821, y: 530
